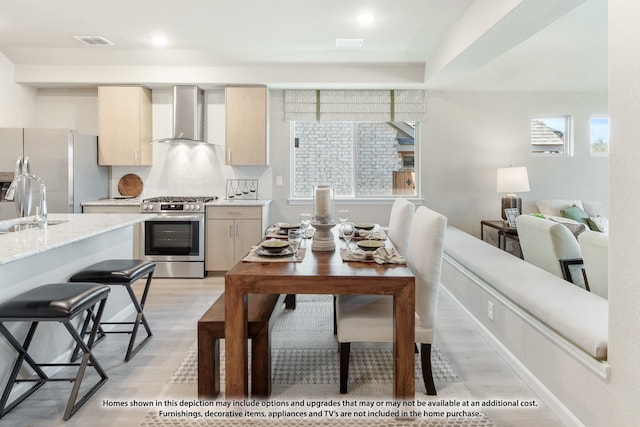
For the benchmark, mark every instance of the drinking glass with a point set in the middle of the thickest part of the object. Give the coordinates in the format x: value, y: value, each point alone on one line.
x: 295, y: 239
x: 348, y: 230
x: 343, y: 215
x: 305, y: 220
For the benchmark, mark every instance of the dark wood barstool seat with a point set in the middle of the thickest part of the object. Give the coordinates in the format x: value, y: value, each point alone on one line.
x: 56, y: 302
x: 123, y: 272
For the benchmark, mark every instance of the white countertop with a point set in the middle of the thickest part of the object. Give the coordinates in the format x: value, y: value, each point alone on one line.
x: 238, y: 202
x: 21, y: 244
x: 136, y: 201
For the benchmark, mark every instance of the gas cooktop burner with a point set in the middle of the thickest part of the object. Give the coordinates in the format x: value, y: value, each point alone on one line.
x: 184, y: 199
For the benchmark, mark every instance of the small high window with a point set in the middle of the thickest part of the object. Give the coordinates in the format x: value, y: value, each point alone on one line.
x: 551, y: 135
x: 599, y: 135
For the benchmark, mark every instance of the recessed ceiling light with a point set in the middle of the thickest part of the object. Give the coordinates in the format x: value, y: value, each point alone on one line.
x: 159, y: 40
x: 366, y: 19
x: 349, y: 42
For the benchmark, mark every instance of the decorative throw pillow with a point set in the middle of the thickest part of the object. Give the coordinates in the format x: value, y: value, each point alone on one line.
x: 574, y: 227
x: 553, y: 206
x: 575, y: 213
x: 598, y: 223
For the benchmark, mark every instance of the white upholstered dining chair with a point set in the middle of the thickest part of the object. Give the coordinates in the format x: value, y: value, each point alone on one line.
x: 595, y: 255
x: 400, y: 223
x: 365, y: 318
x: 398, y: 232
x: 551, y: 246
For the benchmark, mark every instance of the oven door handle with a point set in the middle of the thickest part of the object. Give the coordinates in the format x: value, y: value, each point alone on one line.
x: 172, y: 217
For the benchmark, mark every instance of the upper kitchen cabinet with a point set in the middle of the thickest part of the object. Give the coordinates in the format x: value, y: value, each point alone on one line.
x: 246, y: 126
x: 125, y: 126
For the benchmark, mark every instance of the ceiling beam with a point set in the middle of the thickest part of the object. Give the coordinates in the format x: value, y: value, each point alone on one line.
x: 291, y: 76
x: 488, y: 29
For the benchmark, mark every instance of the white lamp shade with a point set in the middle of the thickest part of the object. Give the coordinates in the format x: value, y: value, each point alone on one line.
x: 513, y: 180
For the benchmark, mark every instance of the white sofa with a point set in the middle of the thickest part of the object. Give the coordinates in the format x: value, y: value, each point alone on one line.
x: 597, y: 211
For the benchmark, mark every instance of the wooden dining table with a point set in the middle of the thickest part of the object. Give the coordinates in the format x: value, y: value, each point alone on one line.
x: 319, y: 272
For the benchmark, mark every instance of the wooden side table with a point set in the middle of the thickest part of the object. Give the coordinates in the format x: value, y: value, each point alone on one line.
x: 504, y: 232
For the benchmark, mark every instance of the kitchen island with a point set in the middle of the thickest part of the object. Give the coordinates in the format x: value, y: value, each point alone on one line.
x: 71, y: 242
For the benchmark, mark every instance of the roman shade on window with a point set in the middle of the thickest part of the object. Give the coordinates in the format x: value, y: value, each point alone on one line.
x: 354, y: 105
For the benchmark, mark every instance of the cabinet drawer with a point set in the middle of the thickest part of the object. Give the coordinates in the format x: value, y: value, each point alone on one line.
x: 229, y: 212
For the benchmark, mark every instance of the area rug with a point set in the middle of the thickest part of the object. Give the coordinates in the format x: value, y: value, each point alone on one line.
x: 305, y: 390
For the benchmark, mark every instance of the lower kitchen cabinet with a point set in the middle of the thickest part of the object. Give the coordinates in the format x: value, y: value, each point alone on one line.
x: 120, y: 209
x: 231, y: 232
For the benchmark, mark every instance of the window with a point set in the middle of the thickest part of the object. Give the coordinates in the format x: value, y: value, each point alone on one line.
x: 551, y: 135
x: 599, y: 135
x: 359, y: 159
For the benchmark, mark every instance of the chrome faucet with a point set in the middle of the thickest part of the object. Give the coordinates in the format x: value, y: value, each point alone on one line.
x: 21, y: 185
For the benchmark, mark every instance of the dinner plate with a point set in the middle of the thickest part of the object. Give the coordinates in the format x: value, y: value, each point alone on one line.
x: 364, y: 226
x: 287, y: 226
x: 370, y: 245
x: 263, y: 252
x: 274, y: 245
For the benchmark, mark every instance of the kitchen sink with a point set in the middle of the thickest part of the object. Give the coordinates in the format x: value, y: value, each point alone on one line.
x: 13, y: 227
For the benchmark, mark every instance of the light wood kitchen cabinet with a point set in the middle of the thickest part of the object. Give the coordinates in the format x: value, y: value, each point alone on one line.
x: 231, y: 232
x: 120, y: 209
x: 124, y: 126
x: 246, y: 126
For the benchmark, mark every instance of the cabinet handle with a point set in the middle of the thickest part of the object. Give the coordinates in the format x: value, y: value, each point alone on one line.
x: 237, y: 230
x: 228, y: 156
x: 231, y: 231
x: 135, y: 156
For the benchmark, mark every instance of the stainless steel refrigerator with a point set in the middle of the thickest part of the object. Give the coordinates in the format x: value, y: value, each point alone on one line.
x: 66, y: 160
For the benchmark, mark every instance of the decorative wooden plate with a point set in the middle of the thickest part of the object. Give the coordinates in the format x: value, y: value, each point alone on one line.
x: 130, y: 185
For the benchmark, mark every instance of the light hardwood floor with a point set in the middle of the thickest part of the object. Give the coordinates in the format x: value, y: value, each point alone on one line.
x: 173, y: 308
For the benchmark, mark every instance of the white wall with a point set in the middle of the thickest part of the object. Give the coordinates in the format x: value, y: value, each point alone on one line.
x: 624, y: 268
x: 17, y: 102
x: 68, y: 108
x: 468, y: 135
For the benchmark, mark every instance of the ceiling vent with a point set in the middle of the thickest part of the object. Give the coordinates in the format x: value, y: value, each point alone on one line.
x: 349, y: 42
x: 93, y: 40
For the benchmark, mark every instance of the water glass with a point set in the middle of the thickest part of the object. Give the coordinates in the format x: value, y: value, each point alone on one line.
x: 305, y: 220
x: 348, y: 230
x: 295, y: 239
x: 343, y: 215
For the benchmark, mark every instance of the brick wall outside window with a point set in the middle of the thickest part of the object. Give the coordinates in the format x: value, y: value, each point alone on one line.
x: 325, y: 155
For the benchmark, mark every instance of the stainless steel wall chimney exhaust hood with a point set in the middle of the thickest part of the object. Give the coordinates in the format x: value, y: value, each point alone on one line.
x: 188, y: 115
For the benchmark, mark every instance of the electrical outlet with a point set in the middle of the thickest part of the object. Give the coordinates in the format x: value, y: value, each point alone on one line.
x: 490, y: 310
x: 278, y: 180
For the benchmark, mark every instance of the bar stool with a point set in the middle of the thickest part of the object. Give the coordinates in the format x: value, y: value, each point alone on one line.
x: 56, y: 302
x: 121, y: 272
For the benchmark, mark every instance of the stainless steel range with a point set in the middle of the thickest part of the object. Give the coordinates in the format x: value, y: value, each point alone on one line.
x: 174, y: 239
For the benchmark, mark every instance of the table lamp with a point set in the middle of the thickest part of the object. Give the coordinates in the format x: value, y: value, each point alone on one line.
x: 512, y: 180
